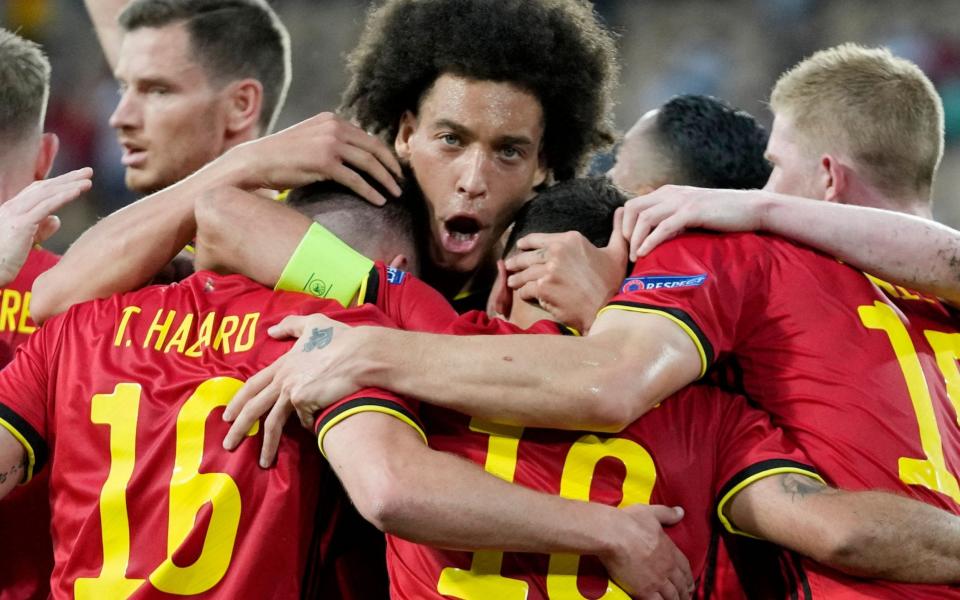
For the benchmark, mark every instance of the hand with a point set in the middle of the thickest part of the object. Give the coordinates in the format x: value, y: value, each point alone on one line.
x: 324, y: 147
x: 648, y: 564
x: 309, y: 377
x: 27, y: 218
x: 569, y: 276
x: 666, y: 212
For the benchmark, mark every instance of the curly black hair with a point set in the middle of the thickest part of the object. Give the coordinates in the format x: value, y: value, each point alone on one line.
x: 556, y: 49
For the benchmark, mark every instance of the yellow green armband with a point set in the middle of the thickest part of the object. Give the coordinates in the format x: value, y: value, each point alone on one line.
x: 325, y: 267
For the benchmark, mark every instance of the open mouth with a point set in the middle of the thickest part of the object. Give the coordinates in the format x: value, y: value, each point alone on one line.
x: 461, y: 234
x: 132, y: 155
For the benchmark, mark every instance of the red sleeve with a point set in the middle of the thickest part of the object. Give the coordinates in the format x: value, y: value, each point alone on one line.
x: 24, y: 385
x: 702, y: 282
x: 368, y: 400
x: 414, y: 305
x: 749, y: 448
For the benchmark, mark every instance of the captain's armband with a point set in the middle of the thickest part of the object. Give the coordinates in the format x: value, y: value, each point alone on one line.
x: 325, y: 267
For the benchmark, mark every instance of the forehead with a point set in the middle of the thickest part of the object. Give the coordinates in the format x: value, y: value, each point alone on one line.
x: 486, y: 108
x: 158, y: 53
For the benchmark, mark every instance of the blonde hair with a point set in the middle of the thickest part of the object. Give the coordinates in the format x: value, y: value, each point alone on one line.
x: 878, y: 109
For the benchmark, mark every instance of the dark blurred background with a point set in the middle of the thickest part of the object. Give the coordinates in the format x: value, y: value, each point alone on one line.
x: 734, y: 49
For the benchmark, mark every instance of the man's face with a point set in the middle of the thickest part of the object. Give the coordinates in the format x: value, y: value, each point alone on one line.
x: 170, y: 120
x: 640, y: 164
x: 795, y: 169
x: 474, y: 148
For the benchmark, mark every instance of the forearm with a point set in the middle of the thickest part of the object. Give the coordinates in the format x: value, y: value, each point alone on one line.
x: 104, y: 15
x: 868, y: 534
x: 241, y: 232
x: 533, y: 380
x: 12, y: 464
x: 127, y: 248
x: 917, y: 253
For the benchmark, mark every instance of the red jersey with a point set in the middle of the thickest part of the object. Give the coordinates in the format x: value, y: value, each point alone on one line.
x: 406, y: 300
x: 716, y: 445
x: 146, y: 503
x: 855, y: 370
x: 26, y: 551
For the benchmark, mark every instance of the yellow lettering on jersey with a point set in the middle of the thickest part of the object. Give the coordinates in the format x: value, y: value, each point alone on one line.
x: 946, y: 347
x: 23, y: 326
x: 930, y: 472
x: 128, y: 312
x: 248, y: 327
x: 203, y: 339
x: 898, y: 291
x: 119, y: 412
x: 575, y: 483
x: 9, y: 306
x: 227, y: 328
x: 483, y: 579
x: 179, y: 340
x: 159, y: 328
x: 191, y: 490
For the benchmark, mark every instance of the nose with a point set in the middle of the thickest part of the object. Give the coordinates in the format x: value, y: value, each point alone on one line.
x: 126, y: 114
x: 473, y: 176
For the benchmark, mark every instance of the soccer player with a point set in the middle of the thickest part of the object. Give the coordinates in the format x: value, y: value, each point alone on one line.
x: 701, y: 418
x: 485, y: 103
x: 133, y: 383
x: 27, y: 204
x: 857, y: 371
x: 692, y: 140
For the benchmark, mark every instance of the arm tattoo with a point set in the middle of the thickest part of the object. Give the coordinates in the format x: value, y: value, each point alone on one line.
x: 319, y: 339
x: 15, y: 472
x: 800, y: 486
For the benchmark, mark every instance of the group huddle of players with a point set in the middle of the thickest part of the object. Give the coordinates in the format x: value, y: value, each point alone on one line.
x: 533, y: 386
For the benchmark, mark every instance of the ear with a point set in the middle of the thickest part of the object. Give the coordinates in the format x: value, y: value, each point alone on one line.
x: 833, y: 178
x: 501, y: 296
x: 244, y: 100
x: 408, y: 126
x: 49, y: 145
x: 399, y: 262
x: 542, y: 171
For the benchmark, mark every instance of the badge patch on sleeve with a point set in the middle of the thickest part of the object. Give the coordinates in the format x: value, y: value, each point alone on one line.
x: 395, y: 276
x: 656, y: 282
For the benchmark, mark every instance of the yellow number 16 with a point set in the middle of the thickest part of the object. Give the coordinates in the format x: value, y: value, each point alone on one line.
x: 190, y: 490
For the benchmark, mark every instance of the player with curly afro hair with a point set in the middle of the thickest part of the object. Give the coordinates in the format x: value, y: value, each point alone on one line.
x: 485, y: 100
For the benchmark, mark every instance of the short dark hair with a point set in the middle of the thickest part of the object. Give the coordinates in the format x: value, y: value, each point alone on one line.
x: 24, y: 86
x: 712, y: 144
x: 555, y: 49
x: 582, y: 205
x: 232, y: 39
x: 359, y: 223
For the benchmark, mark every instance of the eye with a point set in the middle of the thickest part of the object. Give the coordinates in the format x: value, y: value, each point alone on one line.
x: 158, y: 90
x: 510, y: 152
x: 450, y: 139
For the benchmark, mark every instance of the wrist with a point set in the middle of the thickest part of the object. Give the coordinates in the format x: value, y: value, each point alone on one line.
x: 372, y: 366
x: 235, y: 168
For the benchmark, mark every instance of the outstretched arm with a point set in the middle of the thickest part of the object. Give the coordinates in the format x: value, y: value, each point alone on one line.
x: 104, y: 15
x: 430, y: 497
x: 13, y: 464
x: 868, y: 534
x: 907, y: 250
x: 602, y: 382
x: 124, y: 250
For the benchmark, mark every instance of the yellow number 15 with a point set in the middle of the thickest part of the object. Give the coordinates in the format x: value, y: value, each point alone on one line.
x: 190, y: 490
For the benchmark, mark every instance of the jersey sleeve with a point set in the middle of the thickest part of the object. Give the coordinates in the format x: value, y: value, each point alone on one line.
x: 750, y: 448
x: 368, y: 400
x: 411, y: 303
x: 700, y: 282
x: 24, y: 387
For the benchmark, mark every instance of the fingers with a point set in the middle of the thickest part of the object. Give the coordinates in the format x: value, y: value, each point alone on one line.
x: 350, y: 178
x: 367, y: 162
x: 258, y: 406
x: 666, y: 230
x: 535, y: 241
x: 528, y: 274
x: 682, y: 577
x: 290, y: 326
x: 273, y: 430
x: 525, y: 260
x: 48, y: 197
x: 377, y: 148
x: 247, y: 391
x: 48, y: 226
x: 667, y: 515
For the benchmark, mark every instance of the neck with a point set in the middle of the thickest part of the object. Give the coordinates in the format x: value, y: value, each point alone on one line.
x: 453, y: 283
x: 523, y: 314
x: 916, y: 204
